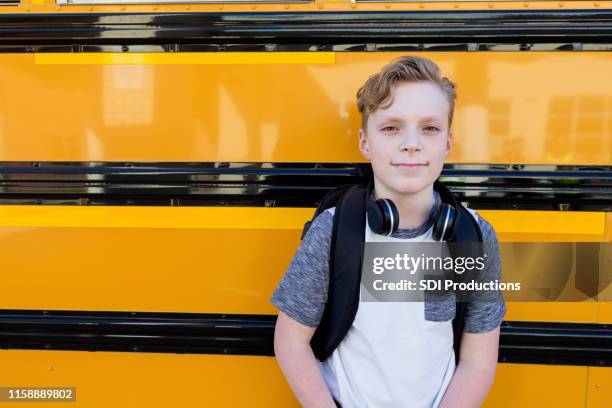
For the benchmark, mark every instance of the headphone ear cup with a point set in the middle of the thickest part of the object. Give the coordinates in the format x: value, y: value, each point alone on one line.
x: 444, y: 223
x: 452, y: 216
x: 391, y: 216
x: 375, y: 216
x: 437, y: 227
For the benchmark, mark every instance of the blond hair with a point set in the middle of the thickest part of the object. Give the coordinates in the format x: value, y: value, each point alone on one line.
x: 377, y: 91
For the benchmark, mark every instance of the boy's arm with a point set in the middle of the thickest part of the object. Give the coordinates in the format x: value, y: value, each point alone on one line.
x: 298, y: 363
x: 301, y: 297
x: 476, y: 370
x: 478, y: 355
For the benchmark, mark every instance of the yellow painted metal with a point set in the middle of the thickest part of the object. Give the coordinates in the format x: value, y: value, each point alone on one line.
x: 604, y: 312
x: 566, y: 226
x: 547, y: 226
x: 512, y: 108
x: 608, y: 231
x: 569, y: 312
x: 127, y: 217
x: 536, y: 386
x: 211, y: 269
x: 105, y: 379
x: 599, y: 390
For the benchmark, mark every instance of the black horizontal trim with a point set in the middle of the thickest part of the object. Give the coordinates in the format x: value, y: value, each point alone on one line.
x: 333, y: 45
x: 556, y: 343
x: 198, y: 333
x: 469, y: 26
x: 480, y: 186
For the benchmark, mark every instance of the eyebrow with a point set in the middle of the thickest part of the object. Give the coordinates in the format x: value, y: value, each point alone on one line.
x: 399, y: 119
x: 391, y: 119
x: 432, y: 118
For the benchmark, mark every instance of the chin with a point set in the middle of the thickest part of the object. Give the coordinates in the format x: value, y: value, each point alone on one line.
x: 410, y: 186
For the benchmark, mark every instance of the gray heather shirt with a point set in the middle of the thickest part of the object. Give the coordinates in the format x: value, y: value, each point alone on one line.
x: 302, y: 292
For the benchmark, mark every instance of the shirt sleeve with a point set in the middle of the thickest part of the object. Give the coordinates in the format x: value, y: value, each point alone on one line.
x: 302, y: 292
x: 485, y: 315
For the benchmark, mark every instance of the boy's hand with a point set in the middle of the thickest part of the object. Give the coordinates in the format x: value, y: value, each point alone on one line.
x: 475, y: 372
x: 298, y: 363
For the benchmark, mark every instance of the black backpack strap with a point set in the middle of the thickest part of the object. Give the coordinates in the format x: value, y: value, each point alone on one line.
x: 345, y: 257
x: 467, y: 229
x: 458, y: 323
x: 329, y: 200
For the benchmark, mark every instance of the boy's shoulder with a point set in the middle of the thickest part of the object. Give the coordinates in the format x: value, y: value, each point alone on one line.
x: 319, y: 233
x: 473, y: 212
x: 488, y: 232
x: 331, y: 211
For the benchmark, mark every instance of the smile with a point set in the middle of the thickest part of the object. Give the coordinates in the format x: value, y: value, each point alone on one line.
x: 410, y: 165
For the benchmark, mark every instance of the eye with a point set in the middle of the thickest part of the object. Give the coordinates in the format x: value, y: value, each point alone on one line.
x: 389, y: 129
x: 432, y: 129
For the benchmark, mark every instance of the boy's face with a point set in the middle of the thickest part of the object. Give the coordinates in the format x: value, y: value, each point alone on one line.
x: 412, y: 130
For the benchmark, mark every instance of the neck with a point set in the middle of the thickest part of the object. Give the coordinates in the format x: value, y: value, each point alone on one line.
x: 413, y: 208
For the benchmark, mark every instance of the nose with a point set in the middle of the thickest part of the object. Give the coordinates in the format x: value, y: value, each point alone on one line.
x: 410, y: 140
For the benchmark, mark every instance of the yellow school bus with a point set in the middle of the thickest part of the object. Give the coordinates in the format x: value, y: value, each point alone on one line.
x: 158, y: 160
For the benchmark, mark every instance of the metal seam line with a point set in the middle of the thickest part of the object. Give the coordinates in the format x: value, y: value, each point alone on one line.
x: 181, y: 58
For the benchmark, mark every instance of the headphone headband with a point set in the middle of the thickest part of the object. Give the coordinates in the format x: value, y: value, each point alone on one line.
x: 445, y: 195
x: 383, y: 216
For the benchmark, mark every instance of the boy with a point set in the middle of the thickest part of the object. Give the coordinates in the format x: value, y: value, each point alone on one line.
x: 392, y: 356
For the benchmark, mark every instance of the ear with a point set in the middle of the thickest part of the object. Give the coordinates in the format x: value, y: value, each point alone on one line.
x: 364, y: 146
x: 449, y: 143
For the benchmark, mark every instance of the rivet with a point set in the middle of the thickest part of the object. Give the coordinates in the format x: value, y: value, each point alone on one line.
x: 597, y: 385
x: 526, y: 5
x: 421, y: 5
x: 123, y: 8
x: 286, y: 7
x: 221, y: 7
x: 187, y: 8
x: 387, y: 6
x: 353, y: 5
x: 58, y: 8
x: 561, y: 4
x: 596, y: 4
x: 253, y: 6
x: 91, y: 9
x: 27, y: 8
x: 490, y: 5
x: 456, y: 5
x: 320, y: 6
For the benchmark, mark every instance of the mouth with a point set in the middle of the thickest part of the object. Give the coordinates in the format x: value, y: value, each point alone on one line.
x: 410, y: 165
